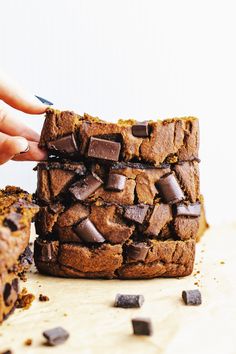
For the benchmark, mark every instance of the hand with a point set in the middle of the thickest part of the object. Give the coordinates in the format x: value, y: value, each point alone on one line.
x: 17, y: 140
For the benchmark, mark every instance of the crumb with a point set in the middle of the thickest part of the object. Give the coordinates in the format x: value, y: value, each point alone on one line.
x: 24, y: 300
x: 222, y: 262
x: 28, y: 341
x: 65, y: 314
x: 196, y: 283
x: 43, y: 298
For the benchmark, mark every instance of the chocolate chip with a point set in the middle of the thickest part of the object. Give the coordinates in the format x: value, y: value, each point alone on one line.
x: 55, y: 336
x: 9, y: 294
x: 142, y: 326
x: 45, y: 251
x: 136, y: 213
x: 188, y: 210
x: 13, y: 221
x: 128, y: 301
x: 67, y: 144
x: 104, y: 149
x: 140, y: 129
x: 170, y: 189
x: 137, y: 251
x: 116, y: 182
x: 15, y: 284
x: 85, y: 187
x: 192, y: 297
x: 88, y: 232
x: 26, y: 258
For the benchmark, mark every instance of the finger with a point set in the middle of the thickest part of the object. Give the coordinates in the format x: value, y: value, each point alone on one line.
x: 10, y: 146
x: 14, y: 95
x: 12, y: 126
x: 33, y: 154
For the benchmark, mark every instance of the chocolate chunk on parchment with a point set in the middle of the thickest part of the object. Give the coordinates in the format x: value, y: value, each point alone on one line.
x: 88, y: 232
x: 67, y: 144
x: 142, y: 326
x: 104, y: 149
x: 137, y: 251
x: 128, y: 301
x: 170, y: 189
x: 12, y: 220
x: 192, y: 297
x: 55, y: 336
x: 116, y: 182
x: 85, y: 187
x: 140, y: 129
x: 188, y: 210
x: 136, y: 213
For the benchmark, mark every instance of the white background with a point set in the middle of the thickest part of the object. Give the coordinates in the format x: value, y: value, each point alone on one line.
x: 130, y: 58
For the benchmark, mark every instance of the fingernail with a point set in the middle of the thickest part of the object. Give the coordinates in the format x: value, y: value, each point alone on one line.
x: 44, y: 101
x: 22, y: 145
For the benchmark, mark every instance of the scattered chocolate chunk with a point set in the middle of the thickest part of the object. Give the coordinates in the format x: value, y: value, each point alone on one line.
x: 140, y: 129
x: 104, y: 149
x: 43, y: 298
x: 192, y: 297
x: 136, y: 213
x: 170, y: 189
x: 88, y: 232
x: 28, y: 342
x: 137, y: 251
x: 55, y: 336
x: 188, y: 210
x: 26, y: 258
x: 116, y: 182
x: 13, y: 221
x: 128, y: 301
x: 85, y: 187
x: 66, y: 144
x: 142, y: 326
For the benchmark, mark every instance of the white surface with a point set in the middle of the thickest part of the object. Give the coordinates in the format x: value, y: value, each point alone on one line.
x: 124, y: 58
x: 96, y: 327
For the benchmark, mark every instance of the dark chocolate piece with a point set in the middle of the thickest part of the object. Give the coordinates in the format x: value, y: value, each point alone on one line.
x: 45, y: 251
x: 66, y: 144
x: 192, y: 297
x: 170, y: 189
x: 44, y: 101
x: 116, y: 182
x: 104, y: 149
x: 85, y: 187
x: 13, y: 221
x: 26, y: 258
x: 140, y: 129
x: 128, y: 301
x: 88, y: 232
x: 55, y: 336
x: 136, y: 213
x: 15, y: 284
x: 9, y: 294
x: 188, y: 210
x: 142, y: 326
x: 137, y: 251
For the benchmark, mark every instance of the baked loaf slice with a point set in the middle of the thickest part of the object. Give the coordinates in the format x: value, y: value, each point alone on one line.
x: 118, y: 200
x: 16, y: 213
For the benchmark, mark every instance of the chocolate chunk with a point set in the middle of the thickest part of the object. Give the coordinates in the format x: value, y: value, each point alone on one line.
x: 26, y: 258
x: 140, y: 129
x: 13, y: 221
x: 192, y: 297
x: 85, y: 187
x: 128, y: 301
x: 116, y: 182
x: 142, y: 326
x: 170, y: 189
x: 104, y: 149
x: 188, y: 210
x: 136, y: 213
x: 15, y: 284
x: 9, y: 294
x: 45, y: 251
x: 55, y: 336
x: 88, y: 232
x: 137, y: 251
x: 66, y: 144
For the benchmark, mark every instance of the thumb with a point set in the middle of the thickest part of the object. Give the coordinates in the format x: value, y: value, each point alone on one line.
x: 14, y: 95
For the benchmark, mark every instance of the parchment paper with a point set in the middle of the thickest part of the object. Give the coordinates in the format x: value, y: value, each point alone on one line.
x: 85, y: 309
